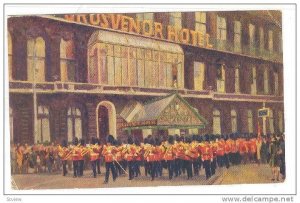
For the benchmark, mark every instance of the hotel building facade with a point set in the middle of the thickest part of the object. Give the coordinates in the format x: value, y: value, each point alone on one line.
x: 84, y: 75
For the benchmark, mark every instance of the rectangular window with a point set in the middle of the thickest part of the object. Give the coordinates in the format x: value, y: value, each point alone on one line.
x: 145, y: 16
x: 162, y: 69
x: 36, y: 60
x: 221, y: 28
x: 221, y: 78
x: 110, y: 64
x: 132, y: 66
x: 148, y: 67
x: 266, y: 81
x: 250, y: 121
x: 261, y: 39
x: 253, y: 84
x: 237, y: 36
x: 155, y: 69
x: 175, y: 19
x: 237, y: 80
x: 216, y: 122
x: 118, y: 65
x: 270, y: 40
x: 276, y: 84
x: 125, y: 80
x: 199, y: 75
x: 200, y: 22
x: 271, y: 121
x: 251, y: 36
x: 141, y: 67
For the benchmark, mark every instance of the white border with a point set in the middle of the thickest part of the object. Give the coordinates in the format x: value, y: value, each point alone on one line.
x: 287, y: 187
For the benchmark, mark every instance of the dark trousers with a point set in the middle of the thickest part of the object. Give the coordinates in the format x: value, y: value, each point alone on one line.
x: 207, y: 167
x: 109, y: 166
x: 147, y: 168
x: 188, y: 167
x: 178, y: 167
x: 65, y: 171
x: 226, y: 160
x: 76, y: 168
x: 171, y: 168
x: 131, y: 169
x: 98, y: 164
x: 81, y: 166
x: 153, y: 167
x: 213, y: 166
x: 94, y: 163
x: 220, y: 161
x: 196, y: 166
x: 136, y: 170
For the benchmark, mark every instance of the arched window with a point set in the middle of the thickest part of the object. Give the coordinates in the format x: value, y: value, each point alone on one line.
x: 271, y: 121
x: 250, y: 121
x: 10, y: 53
x: 74, y: 117
x: 216, y: 122
x: 280, y: 121
x: 67, y: 61
x: 11, y: 124
x: 43, y: 125
x: 233, y: 121
x: 36, y: 59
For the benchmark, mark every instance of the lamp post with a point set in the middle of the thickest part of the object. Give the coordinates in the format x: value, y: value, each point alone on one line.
x: 34, y: 96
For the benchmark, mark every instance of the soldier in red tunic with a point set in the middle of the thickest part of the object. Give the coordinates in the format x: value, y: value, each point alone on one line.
x: 108, y: 152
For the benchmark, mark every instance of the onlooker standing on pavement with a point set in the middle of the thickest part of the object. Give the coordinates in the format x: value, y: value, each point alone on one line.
x: 264, y: 151
x: 275, y: 153
x: 282, y: 156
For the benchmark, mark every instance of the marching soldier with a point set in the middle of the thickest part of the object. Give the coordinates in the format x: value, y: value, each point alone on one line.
x: 108, y: 152
x: 64, y: 153
x: 94, y: 155
x: 169, y: 156
x: 129, y: 152
x: 206, y: 158
x: 227, y: 149
x: 98, y: 161
x: 75, y: 157
x: 196, y: 160
x: 138, y: 157
x: 82, y: 153
x: 214, y: 148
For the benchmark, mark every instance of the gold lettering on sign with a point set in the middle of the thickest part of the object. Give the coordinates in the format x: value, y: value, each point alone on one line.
x: 146, y: 28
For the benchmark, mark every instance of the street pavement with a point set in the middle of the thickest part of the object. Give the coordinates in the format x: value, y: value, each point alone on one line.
x: 250, y: 173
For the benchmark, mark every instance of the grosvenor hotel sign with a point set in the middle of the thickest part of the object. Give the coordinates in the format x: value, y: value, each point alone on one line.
x: 146, y: 28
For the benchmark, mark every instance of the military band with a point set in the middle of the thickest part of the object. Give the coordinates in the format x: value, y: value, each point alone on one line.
x: 178, y: 155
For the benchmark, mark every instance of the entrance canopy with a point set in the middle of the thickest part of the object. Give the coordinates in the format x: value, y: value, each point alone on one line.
x: 164, y: 113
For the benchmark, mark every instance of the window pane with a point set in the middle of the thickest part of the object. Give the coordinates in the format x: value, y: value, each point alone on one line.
x: 46, y: 130
x: 266, y: 81
x: 199, y: 72
x: 141, y: 73
x: 237, y: 80
x: 118, y: 73
x: 125, y: 66
x: 78, y: 128
x: 250, y: 121
x: 70, y: 129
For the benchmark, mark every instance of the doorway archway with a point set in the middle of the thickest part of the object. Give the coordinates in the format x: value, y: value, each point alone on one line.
x: 106, y: 120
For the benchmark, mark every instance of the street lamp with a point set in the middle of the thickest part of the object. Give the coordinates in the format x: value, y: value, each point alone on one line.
x: 35, y: 133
